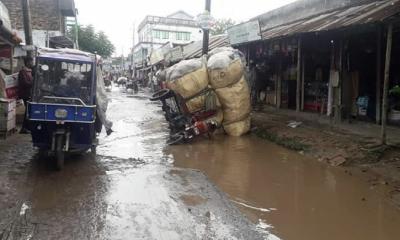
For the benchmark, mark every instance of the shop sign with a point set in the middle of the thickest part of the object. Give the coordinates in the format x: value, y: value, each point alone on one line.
x: 245, y: 32
x: 9, y: 85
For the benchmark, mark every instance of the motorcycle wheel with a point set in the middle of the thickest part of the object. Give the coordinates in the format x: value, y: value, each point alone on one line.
x: 176, y: 139
x: 160, y: 95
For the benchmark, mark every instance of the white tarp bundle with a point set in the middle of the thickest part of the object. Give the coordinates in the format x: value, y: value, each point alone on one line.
x: 226, y: 75
x: 102, y: 101
x: 189, y: 79
x: 217, y: 84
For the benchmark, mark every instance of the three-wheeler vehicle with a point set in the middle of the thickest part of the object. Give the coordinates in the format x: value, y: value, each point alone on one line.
x: 62, y: 112
x: 184, y: 126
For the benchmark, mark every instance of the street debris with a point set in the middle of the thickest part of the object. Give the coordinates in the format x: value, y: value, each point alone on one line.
x: 294, y: 124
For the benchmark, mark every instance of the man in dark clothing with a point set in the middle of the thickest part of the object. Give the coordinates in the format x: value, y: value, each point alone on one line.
x: 25, y: 82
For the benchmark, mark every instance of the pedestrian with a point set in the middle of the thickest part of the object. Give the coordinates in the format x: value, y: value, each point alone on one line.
x: 25, y: 82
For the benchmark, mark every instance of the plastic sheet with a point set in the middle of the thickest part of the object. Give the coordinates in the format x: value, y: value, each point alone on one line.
x: 235, y: 101
x: 102, y: 101
x: 188, y: 78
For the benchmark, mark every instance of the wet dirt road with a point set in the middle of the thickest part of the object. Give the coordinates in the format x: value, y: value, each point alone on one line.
x: 294, y: 197
x: 130, y: 190
x: 138, y: 188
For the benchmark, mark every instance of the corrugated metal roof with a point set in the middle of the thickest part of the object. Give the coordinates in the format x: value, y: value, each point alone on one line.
x: 195, y: 49
x: 340, y: 18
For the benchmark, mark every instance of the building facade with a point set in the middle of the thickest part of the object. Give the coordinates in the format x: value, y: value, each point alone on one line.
x: 329, y: 58
x: 48, y: 19
x: 177, y: 29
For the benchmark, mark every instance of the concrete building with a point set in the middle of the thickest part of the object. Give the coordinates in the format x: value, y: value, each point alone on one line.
x: 154, y: 32
x: 48, y: 19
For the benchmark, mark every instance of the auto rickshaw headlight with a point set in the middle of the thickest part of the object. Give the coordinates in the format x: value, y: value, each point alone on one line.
x: 61, y: 113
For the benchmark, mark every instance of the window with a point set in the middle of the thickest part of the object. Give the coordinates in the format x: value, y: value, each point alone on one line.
x: 157, y: 34
x: 165, y: 35
x: 57, y: 78
x: 186, y: 36
x: 179, y: 36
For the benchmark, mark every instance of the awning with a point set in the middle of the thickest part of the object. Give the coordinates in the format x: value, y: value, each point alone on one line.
x: 195, y: 49
x: 377, y: 11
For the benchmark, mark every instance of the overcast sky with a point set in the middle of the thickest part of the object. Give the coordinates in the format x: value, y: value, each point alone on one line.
x: 117, y: 17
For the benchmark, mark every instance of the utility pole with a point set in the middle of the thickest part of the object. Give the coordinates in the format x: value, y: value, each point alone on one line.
x: 27, y: 24
x: 206, y: 32
x: 133, y: 49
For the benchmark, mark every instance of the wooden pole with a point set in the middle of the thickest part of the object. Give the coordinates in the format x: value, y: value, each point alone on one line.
x: 303, y: 69
x: 338, y: 87
x: 279, y: 85
x: 386, y: 82
x: 298, y: 86
x: 378, y: 74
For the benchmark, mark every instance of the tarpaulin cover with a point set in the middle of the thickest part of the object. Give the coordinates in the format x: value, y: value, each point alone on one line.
x: 102, y: 100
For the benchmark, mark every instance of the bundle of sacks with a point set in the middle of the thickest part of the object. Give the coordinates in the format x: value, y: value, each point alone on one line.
x: 189, y: 78
x: 217, y: 84
x: 226, y: 76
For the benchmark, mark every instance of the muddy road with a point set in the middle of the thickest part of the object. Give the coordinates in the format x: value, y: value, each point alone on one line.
x: 130, y: 190
x: 139, y: 188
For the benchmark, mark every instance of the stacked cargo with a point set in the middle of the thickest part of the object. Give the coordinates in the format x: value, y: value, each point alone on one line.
x: 189, y: 79
x: 7, y: 116
x: 226, y: 75
x: 219, y: 84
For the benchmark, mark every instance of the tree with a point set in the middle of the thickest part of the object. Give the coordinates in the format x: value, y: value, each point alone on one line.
x: 91, y: 41
x: 221, y: 25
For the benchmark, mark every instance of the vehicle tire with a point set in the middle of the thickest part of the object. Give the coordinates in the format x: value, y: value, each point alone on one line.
x: 176, y: 139
x: 160, y: 95
x: 60, y: 155
x: 93, y: 150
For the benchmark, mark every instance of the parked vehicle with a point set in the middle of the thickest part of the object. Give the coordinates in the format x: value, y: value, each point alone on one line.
x: 62, y: 112
x: 184, y: 125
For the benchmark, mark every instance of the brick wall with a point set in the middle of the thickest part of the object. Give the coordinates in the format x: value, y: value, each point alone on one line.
x: 45, y: 14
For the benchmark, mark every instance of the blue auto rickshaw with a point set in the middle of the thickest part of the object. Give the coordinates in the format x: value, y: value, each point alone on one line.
x: 62, y: 113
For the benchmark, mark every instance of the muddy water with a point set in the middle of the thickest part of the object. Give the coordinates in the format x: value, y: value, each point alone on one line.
x: 294, y: 197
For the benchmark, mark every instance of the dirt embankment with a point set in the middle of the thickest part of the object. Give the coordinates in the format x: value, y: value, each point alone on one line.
x: 333, y: 145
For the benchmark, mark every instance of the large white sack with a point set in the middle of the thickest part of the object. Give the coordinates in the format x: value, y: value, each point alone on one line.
x: 188, y: 78
x: 239, y: 128
x: 235, y: 101
x: 225, y: 68
x: 198, y: 103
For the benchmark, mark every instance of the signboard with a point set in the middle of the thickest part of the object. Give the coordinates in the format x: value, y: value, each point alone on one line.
x: 245, y: 32
x: 11, y: 82
x: 205, y: 20
x: 9, y: 86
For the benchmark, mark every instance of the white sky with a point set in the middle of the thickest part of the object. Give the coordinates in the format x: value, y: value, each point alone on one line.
x: 117, y: 17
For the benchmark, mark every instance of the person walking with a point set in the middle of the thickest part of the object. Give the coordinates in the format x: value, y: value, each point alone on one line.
x: 25, y: 82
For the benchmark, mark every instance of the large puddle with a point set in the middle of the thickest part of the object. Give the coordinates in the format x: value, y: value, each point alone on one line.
x: 294, y: 197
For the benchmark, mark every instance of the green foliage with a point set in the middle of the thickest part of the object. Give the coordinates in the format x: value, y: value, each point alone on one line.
x: 221, y: 25
x: 91, y: 41
x: 290, y: 143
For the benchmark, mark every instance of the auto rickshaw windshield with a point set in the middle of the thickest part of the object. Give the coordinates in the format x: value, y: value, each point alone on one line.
x: 57, y: 78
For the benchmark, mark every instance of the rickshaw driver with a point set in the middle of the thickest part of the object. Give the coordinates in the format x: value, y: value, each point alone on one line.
x: 70, y: 85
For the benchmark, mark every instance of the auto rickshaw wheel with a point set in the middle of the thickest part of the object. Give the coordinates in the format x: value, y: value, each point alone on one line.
x: 60, y: 155
x: 93, y: 150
